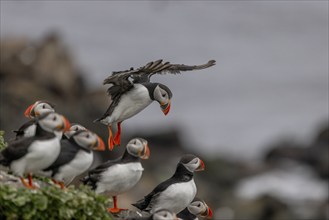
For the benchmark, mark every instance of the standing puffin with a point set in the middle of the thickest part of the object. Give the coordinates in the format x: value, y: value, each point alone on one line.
x: 75, y: 157
x: 37, y: 109
x: 177, y: 192
x: 32, y: 154
x: 197, y: 207
x: 132, y: 91
x: 118, y: 176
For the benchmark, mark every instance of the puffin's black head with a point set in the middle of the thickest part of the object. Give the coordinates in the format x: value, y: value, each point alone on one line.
x: 164, y: 214
x: 161, y: 94
x: 138, y: 147
x: 88, y: 139
x: 192, y: 163
x: 39, y: 108
x: 200, y: 207
x: 73, y: 129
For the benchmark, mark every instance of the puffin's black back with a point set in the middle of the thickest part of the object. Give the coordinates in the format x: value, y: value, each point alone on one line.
x: 68, y: 151
x: 181, y: 175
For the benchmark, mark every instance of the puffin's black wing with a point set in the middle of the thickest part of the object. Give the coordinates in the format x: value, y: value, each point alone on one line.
x: 147, y: 203
x: 144, y: 73
x: 67, y: 154
x: 15, y: 150
x: 95, y: 174
x: 21, y: 131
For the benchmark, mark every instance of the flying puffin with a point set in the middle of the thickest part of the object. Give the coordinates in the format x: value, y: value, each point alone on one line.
x: 132, y: 91
x: 197, y: 207
x: 118, y: 176
x: 161, y: 214
x: 37, y: 109
x: 32, y: 154
x: 75, y: 157
x: 177, y: 192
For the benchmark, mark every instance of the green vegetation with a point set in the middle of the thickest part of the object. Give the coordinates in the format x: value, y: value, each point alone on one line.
x: 3, y: 144
x: 52, y: 203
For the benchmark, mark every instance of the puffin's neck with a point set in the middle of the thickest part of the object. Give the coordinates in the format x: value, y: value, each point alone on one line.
x: 127, y: 157
x: 150, y: 87
x: 40, y: 132
x: 186, y: 214
x: 183, y: 173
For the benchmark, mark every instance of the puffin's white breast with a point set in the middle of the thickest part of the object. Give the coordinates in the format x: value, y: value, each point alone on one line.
x: 41, y: 154
x: 120, y: 178
x: 80, y: 163
x: 176, y: 197
x: 130, y: 104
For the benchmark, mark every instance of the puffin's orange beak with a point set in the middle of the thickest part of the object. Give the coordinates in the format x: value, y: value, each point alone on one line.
x: 208, y: 213
x: 28, y: 111
x: 201, y: 166
x: 67, y: 124
x: 166, y: 107
x: 100, y: 144
x: 147, y: 153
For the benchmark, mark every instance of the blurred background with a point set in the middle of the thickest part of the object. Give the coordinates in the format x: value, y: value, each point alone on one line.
x: 259, y: 118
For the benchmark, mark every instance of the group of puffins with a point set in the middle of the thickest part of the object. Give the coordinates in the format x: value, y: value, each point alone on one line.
x: 48, y: 145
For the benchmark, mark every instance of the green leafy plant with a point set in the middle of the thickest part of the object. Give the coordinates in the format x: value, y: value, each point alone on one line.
x: 52, y: 203
x: 3, y: 144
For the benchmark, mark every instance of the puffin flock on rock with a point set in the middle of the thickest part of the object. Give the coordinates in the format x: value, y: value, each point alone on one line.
x: 48, y: 145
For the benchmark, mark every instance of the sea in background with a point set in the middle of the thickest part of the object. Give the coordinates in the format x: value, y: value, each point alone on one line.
x: 270, y: 81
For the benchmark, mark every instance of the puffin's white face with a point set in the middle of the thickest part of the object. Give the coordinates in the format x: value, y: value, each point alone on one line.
x: 54, y: 122
x: 38, y: 108
x: 89, y: 140
x: 138, y: 147
x: 73, y: 129
x: 163, y: 97
x: 199, y: 207
x: 192, y: 163
x: 164, y: 215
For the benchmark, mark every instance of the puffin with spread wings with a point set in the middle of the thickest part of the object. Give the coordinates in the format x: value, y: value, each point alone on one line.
x: 132, y: 91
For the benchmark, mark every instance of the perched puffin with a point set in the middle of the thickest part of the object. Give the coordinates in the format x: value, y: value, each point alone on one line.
x: 37, y: 109
x: 32, y: 154
x: 118, y: 176
x: 197, y: 207
x: 177, y: 192
x: 75, y: 157
x: 161, y: 214
x: 132, y: 91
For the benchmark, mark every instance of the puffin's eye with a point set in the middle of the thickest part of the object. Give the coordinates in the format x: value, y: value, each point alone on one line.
x: 44, y: 106
x: 76, y: 129
x: 54, y: 118
x: 87, y: 136
x: 199, y: 205
x: 163, y: 95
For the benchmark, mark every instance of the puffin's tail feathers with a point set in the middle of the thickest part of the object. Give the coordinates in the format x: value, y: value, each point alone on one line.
x: 4, y: 161
x: 89, y: 181
x: 140, y: 204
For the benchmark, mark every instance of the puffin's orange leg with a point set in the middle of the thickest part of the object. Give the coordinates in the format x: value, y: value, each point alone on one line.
x: 27, y: 185
x: 110, y: 140
x: 115, y: 209
x: 117, y: 138
x: 61, y: 184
